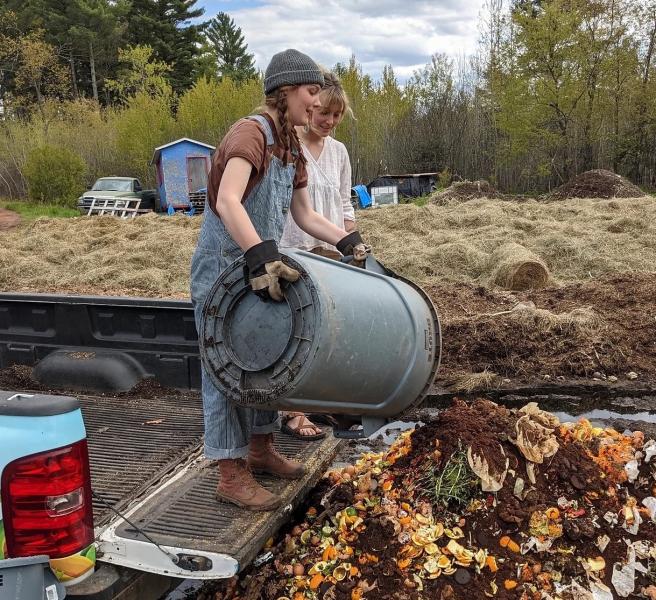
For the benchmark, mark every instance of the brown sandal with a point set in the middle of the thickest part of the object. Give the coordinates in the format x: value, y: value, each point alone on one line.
x: 296, y: 431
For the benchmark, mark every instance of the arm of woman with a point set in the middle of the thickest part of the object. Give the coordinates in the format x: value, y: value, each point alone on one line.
x: 312, y: 222
x: 228, y: 203
x: 345, y: 192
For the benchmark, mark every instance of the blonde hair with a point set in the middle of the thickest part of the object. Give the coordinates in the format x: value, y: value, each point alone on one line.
x: 334, y: 94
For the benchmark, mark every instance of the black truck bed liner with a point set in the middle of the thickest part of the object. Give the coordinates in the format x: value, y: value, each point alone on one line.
x: 187, y: 513
x: 134, y: 443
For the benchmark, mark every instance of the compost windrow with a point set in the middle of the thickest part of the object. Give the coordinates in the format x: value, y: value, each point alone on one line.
x: 482, y: 501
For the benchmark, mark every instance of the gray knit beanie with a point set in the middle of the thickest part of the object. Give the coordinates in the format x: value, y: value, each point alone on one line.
x: 291, y: 67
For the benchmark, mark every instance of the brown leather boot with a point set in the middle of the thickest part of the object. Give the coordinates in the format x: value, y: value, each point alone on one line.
x: 238, y: 486
x: 264, y: 458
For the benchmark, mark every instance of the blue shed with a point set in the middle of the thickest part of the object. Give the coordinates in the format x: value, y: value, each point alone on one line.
x: 182, y: 168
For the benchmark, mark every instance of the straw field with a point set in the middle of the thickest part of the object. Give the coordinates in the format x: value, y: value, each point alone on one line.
x: 576, y: 239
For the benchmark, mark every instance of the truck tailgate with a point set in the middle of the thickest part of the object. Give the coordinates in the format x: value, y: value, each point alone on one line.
x: 183, y: 516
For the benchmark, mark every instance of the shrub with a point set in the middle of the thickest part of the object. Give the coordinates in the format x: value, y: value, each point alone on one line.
x: 444, y: 178
x: 54, y: 175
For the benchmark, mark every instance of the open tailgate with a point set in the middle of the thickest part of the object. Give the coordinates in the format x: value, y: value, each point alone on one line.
x: 213, y: 539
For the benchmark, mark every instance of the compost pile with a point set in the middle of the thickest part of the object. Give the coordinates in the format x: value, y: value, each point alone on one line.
x: 481, y: 502
x: 461, y: 191
x: 598, y: 183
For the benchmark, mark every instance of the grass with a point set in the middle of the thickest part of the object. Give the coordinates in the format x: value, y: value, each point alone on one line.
x: 418, y: 200
x: 32, y: 210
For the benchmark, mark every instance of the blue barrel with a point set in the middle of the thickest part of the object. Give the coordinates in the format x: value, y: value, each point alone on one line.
x: 344, y: 341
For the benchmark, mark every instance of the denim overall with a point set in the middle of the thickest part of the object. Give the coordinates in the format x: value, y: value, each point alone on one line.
x: 228, y: 427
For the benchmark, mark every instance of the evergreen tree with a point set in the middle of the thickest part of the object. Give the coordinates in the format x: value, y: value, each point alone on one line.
x: 226, y: 43
x: 166, y: 26
x: 96, y: 30
x: 85, y: 34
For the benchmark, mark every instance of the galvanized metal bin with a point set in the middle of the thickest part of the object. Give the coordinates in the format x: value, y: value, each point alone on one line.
x: 344, y: 341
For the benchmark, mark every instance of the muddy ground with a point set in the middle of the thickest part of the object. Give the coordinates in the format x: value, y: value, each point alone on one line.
x: 8, y: 219
x: 482, y: 333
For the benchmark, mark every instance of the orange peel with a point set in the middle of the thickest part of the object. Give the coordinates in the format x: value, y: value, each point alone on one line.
x: 491, y: 563
x: 316, y: 581
x: 552, y: 513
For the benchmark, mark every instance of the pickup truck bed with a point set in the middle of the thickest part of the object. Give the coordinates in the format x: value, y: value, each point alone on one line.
x: 134, y: 443
x: 146, y: 450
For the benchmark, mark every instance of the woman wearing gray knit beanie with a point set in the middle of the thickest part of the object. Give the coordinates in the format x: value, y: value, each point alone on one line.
x: 258, y: 176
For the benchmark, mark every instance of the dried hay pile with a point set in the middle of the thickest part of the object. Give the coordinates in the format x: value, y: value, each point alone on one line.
x: 150, y: 256
x: 462, y: 191
x: 598, y: 183
x: 516, y: 268
x: 146, y: 256
x: 578, y: 239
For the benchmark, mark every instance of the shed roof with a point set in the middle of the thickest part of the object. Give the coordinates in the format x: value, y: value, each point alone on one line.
x: 404, y: 175
x: 158, y: 150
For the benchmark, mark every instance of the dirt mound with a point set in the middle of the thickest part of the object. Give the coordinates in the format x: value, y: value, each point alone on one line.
x: 598, y: 183
x: 481, y: 502
x: 8, y: 219
x: 570, y: 331
x: 461, y: 191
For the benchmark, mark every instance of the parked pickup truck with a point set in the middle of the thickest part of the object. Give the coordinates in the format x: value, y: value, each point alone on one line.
x: 112, y: 484
x: 118, y: 187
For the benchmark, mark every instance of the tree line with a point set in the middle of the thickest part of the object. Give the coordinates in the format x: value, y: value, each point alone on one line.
x: 556, y: 87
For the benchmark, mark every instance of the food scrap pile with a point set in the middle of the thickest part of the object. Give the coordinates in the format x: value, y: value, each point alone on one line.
x: 481, y: 502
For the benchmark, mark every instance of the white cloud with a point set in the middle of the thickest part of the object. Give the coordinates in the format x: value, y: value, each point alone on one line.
x: 377, y: 32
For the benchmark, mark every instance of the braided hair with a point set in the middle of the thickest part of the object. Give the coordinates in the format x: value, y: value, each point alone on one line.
x: 288, y: 136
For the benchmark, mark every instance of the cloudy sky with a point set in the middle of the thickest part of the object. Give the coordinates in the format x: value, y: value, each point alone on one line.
x: 403, y: 33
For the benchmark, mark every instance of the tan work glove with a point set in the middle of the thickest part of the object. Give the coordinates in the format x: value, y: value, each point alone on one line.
x: 265, y: 270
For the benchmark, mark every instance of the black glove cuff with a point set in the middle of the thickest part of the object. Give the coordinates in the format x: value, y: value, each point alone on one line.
x: 259, y: 255
x: 346, y: 244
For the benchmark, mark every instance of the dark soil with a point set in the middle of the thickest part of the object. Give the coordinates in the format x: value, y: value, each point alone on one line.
x: 598, y: 183
x: 19, y: 378
x: 476, y: 339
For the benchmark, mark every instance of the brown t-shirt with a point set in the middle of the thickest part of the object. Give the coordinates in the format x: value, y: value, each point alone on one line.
x: 246, y: 139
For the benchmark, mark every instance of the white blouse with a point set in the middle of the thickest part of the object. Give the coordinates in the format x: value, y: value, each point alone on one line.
x: 329, y: 186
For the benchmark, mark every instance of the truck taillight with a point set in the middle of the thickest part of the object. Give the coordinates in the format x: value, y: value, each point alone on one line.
x: 46, y: 503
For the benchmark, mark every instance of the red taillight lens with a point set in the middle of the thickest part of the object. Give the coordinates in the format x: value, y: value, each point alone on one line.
x: 46, y: 503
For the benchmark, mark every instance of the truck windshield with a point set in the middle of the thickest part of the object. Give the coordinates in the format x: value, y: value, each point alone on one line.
x: 113, y: 185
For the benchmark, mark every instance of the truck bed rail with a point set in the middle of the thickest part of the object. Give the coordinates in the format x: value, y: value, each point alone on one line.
x: 159, y: 334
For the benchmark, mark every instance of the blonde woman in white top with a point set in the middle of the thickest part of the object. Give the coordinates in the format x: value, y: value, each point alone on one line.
x: 329, y: 186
